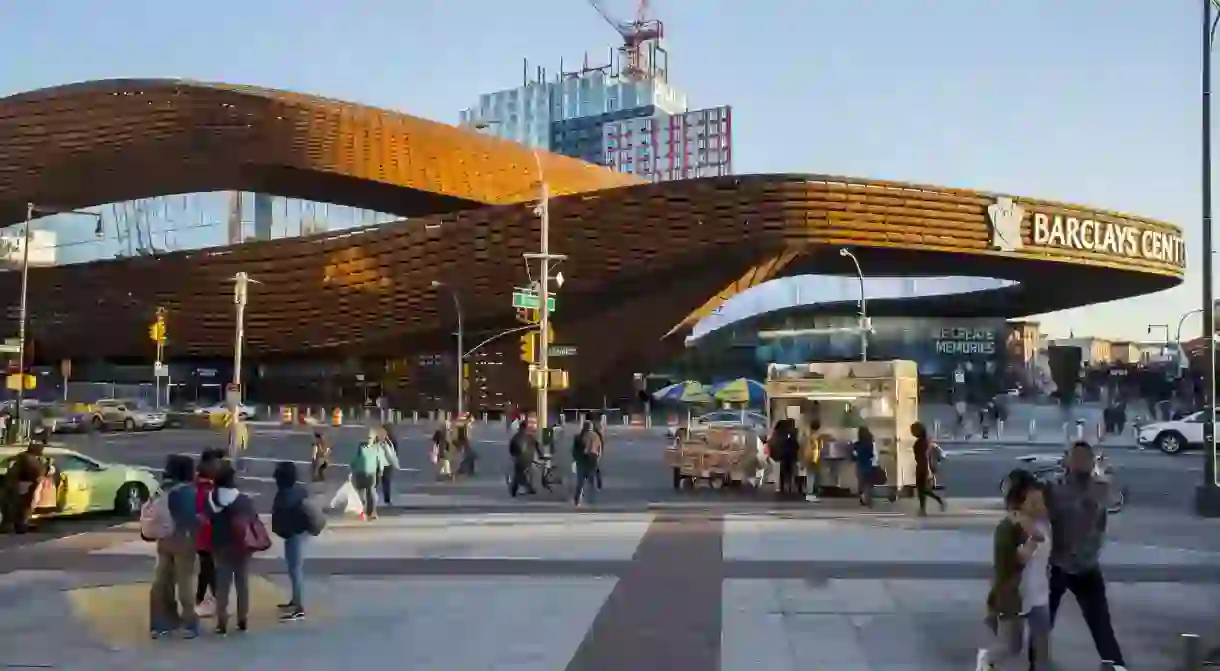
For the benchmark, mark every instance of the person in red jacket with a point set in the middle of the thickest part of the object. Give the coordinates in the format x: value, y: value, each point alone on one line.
x: 205, y: 586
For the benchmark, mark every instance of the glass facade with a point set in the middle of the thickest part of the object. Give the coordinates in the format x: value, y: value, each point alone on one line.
x: 184, y: 222
x: 940, y: 347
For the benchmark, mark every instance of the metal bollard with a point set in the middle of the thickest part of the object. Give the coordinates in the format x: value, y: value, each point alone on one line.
x: 936, y: 429
x: 1033, y: 430
x: 999, y: 429
x: 1101, y: 432
x: 1192, y: 652
x: 1079, y: 429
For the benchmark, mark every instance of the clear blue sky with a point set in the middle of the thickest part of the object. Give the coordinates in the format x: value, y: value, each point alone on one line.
x: 1091, y: 101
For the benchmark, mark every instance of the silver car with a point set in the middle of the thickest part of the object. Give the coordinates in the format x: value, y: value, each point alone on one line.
x: 128, y: 414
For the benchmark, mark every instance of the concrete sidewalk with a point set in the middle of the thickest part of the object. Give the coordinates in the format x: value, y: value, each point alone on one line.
x: 597, y: 592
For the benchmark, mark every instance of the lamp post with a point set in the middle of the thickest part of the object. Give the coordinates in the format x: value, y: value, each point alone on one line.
x: 1207, y: 494
x: 843, y: 251
x: 1182, y: 321
x: 241, y: 294
x: 461, y: 352
x: 32, y: 209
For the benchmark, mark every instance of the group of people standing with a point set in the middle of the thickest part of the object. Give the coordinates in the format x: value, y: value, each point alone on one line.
x: 211, y: 532
x: 799, y: 455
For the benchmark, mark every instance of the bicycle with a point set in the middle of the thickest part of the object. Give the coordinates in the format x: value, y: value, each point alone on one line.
x: 549, y: 475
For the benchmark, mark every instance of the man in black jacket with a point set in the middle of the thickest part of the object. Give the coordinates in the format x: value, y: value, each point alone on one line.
x: 523, y: 448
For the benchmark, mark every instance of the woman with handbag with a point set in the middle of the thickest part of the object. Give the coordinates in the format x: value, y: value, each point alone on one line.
x: 923, y: 469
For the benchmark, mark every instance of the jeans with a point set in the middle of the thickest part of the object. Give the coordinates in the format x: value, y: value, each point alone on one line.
x: 586, y: 480
x: 294, y: 557
x: 170, y: 599
x: 232, y: 573
x: 864, y: 483
x: 1089, y: 588
x: 366, y: 486
x: 521, y: 477
x: 207, y: 576
x: 1010, y: 637
x: 387, y: 484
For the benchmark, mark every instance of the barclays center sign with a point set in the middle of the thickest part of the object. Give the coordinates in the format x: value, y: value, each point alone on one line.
x: 1114, y: 238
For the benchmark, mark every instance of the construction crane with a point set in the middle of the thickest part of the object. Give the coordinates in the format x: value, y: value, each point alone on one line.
x: 637, y: 60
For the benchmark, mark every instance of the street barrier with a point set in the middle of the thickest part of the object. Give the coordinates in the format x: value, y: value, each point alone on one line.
x: 336, y: 418
x: 286, y: 414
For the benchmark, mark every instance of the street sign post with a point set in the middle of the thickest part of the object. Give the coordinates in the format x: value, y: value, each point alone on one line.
x: 11, y: 346
x: 561, y: 350
x: 528, y: 300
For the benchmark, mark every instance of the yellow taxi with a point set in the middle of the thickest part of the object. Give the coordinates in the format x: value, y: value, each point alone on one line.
x: 85, y: 485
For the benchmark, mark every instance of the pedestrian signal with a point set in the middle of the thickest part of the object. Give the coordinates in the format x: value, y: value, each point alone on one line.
x: 529, y: 347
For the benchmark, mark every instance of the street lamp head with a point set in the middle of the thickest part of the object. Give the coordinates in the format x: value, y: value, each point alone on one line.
x: 437, y: 283
x: 843, y: 252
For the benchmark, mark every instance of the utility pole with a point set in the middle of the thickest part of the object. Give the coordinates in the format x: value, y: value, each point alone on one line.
x: 544, y: 312
x: 1207, y: 495
x: 157, y: 333
x: 23, y: 316
x: 241, y: 292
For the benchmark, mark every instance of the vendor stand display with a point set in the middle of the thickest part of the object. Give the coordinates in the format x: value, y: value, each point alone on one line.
x: 720, y: 457
x: 843, y: 396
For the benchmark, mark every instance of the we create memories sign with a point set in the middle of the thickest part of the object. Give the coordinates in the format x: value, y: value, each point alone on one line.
x: 965, y: 341
x: 1068, y: 232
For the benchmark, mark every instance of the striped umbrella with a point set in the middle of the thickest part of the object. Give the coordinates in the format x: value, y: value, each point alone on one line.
x: 741, y: 390
x: 683, y: 392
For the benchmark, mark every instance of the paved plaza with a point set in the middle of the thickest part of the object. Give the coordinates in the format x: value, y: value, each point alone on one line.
x: 561, y: 590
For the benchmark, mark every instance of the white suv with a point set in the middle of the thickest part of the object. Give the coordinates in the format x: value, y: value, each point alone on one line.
x: 1174, y: 436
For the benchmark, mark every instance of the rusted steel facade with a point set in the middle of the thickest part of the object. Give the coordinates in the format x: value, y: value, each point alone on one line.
x: 645, y: 261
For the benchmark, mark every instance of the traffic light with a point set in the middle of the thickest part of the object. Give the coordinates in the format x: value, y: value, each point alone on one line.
x: 529, y: 347
x: 156, y: 331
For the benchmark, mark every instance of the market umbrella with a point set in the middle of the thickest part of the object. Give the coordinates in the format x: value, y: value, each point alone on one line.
x: 741, y: 390
x: 683, y: 392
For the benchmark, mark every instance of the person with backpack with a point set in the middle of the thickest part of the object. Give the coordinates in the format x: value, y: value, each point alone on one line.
x: 237, y: 534
x: 170, y: 521
x: 320, y: 459
x: 205, y: 585
x: 365, y: 467
x: 586, y: 450
x: 294, y: 518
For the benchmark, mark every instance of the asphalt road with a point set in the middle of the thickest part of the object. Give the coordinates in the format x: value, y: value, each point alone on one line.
x: 633, y: 470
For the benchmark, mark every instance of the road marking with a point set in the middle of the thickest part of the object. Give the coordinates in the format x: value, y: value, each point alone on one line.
x: 309, y: 463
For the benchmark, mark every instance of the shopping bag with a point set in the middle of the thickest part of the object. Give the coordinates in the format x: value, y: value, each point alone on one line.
x: 45, y: 494
x: 435, y: 454
x: 347, y: 500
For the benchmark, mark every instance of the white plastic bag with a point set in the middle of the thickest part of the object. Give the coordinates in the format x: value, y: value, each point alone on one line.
x: 346, y: 500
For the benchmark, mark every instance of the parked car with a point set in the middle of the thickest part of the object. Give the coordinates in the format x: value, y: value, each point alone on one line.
x: 1175, y: 435
x: 59, y: 418
x: 86, y: 485
x: 722, y: 419
x: 244, y: 412
x: 128, y: 414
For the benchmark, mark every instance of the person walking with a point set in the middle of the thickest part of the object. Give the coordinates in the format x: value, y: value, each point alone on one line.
x: 319, y: 461
x: 389, y: 462
x: 1018, y: 604
x: 205, y: 583
x: 811, y: 459
x: 170, y: 597
x: 923, y: 469
x: 523, y: 448
x: 864, y: 454
x: 366, y: 465
x: 229, y: 510
x: 464, y: 448
x: 1077, y: 506
x: 442, y: 450
x: 586, y: 451
x: 290, y: 521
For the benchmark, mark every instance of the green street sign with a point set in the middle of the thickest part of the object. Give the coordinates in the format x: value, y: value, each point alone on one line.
x: 524, y: 300
x: 561, y: 350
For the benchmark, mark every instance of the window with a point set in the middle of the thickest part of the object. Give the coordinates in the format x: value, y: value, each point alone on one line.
x: 68, y: 463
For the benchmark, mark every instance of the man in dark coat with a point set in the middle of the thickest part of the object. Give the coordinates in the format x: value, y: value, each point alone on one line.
x: 20, y: 488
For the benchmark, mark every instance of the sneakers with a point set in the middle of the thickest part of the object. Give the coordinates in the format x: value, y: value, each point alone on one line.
x: 158, y: 633
x: 982, y: 662
x: 813, y: 498
x: 293, y: 615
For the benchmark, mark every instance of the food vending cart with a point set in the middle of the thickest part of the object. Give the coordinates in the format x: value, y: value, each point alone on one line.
x: 720, y: 457
x: 843, y: 396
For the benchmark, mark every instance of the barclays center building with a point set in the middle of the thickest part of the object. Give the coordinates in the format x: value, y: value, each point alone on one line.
x: 960, y: 342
